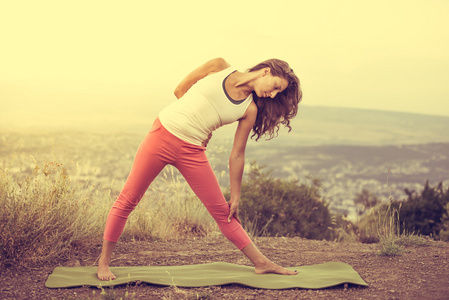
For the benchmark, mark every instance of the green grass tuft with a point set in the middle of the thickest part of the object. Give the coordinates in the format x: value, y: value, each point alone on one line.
x: 389, y: 247
x: 413, y: 240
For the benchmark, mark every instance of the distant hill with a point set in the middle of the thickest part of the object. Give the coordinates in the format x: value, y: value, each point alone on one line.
x: 313, y: 126
x: 347, y: 126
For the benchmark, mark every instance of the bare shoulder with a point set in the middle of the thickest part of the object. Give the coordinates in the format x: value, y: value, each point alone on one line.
x: 244, y: 128
x: 251, y: 112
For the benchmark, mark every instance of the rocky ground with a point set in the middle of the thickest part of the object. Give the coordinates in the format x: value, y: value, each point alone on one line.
x: 421, y: 272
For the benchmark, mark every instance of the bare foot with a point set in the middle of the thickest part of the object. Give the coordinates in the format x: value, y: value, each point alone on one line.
x: 270, y: 267
x: 104, y: 273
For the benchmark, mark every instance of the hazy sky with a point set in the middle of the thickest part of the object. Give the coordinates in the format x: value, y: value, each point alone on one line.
x: 383, y: 54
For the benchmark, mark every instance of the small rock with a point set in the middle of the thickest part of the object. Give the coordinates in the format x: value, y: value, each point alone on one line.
x: 72, y: 263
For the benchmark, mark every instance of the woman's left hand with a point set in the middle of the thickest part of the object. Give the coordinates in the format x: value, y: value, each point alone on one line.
x: 234, y: 211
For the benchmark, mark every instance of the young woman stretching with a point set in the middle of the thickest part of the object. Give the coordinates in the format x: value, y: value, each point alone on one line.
x: 211, y: 96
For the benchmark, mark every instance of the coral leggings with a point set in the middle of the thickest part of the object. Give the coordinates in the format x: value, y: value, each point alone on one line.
x: 158, y: 149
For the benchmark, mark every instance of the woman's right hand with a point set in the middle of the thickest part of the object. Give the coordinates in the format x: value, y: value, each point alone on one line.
x: 206, y: 141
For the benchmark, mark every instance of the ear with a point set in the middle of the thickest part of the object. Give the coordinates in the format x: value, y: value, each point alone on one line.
x: 266, y: 71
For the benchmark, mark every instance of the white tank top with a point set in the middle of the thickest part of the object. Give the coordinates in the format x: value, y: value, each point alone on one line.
x: 205, y: 107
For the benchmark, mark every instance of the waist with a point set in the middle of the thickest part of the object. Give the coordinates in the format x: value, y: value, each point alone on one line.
x: 185, y: 129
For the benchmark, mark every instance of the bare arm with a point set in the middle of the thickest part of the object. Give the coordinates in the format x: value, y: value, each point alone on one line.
x: 212, y: 66
x: 237, y: 158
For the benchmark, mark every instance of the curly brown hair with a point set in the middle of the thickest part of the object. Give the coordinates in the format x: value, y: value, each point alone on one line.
x: 284, y: 106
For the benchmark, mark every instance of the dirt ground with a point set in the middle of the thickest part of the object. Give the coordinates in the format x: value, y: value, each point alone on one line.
x: 419, y: 273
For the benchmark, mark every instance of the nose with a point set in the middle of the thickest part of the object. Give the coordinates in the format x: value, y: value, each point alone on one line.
x: 273, y: 94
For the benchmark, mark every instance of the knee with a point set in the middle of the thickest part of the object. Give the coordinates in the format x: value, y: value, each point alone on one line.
x: 127, y: 201
x: 219, y: 212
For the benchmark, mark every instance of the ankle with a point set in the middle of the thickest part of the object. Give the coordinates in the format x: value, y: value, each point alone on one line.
x: 254, y: 255
x: 262, y: 263
x: 102, y: 261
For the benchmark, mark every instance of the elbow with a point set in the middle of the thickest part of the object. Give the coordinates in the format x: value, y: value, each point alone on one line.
x: 235, y: 158
x: 237, y: 154
x: 218, y: 64
x: 178, y: 93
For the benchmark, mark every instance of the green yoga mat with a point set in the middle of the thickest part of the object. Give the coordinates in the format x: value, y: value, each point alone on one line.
x: 219, y: 273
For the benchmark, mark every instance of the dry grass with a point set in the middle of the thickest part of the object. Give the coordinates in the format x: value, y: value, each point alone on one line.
x: 45, y: 215
x: 382, y: 225
x: 169, y: 211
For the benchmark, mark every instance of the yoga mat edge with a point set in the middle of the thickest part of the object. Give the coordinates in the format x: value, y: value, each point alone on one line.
x: 219, y: 273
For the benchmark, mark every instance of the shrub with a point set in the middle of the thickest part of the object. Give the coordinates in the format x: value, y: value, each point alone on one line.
x: 424, y: 212
x: 275, y: 207
x: 444, y: 232
x: 365, y: 200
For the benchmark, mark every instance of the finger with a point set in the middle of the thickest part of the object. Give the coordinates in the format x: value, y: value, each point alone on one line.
x: 231, y: 214
x: 237, y: 218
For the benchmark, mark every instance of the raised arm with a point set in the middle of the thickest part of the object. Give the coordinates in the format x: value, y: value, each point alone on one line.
x: 212, y: 66
x: 237, y: 158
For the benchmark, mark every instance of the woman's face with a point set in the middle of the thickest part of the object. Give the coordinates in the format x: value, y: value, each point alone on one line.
x: 268, y: 86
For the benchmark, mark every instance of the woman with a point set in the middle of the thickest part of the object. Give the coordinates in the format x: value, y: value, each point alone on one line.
x: 211, y: 96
